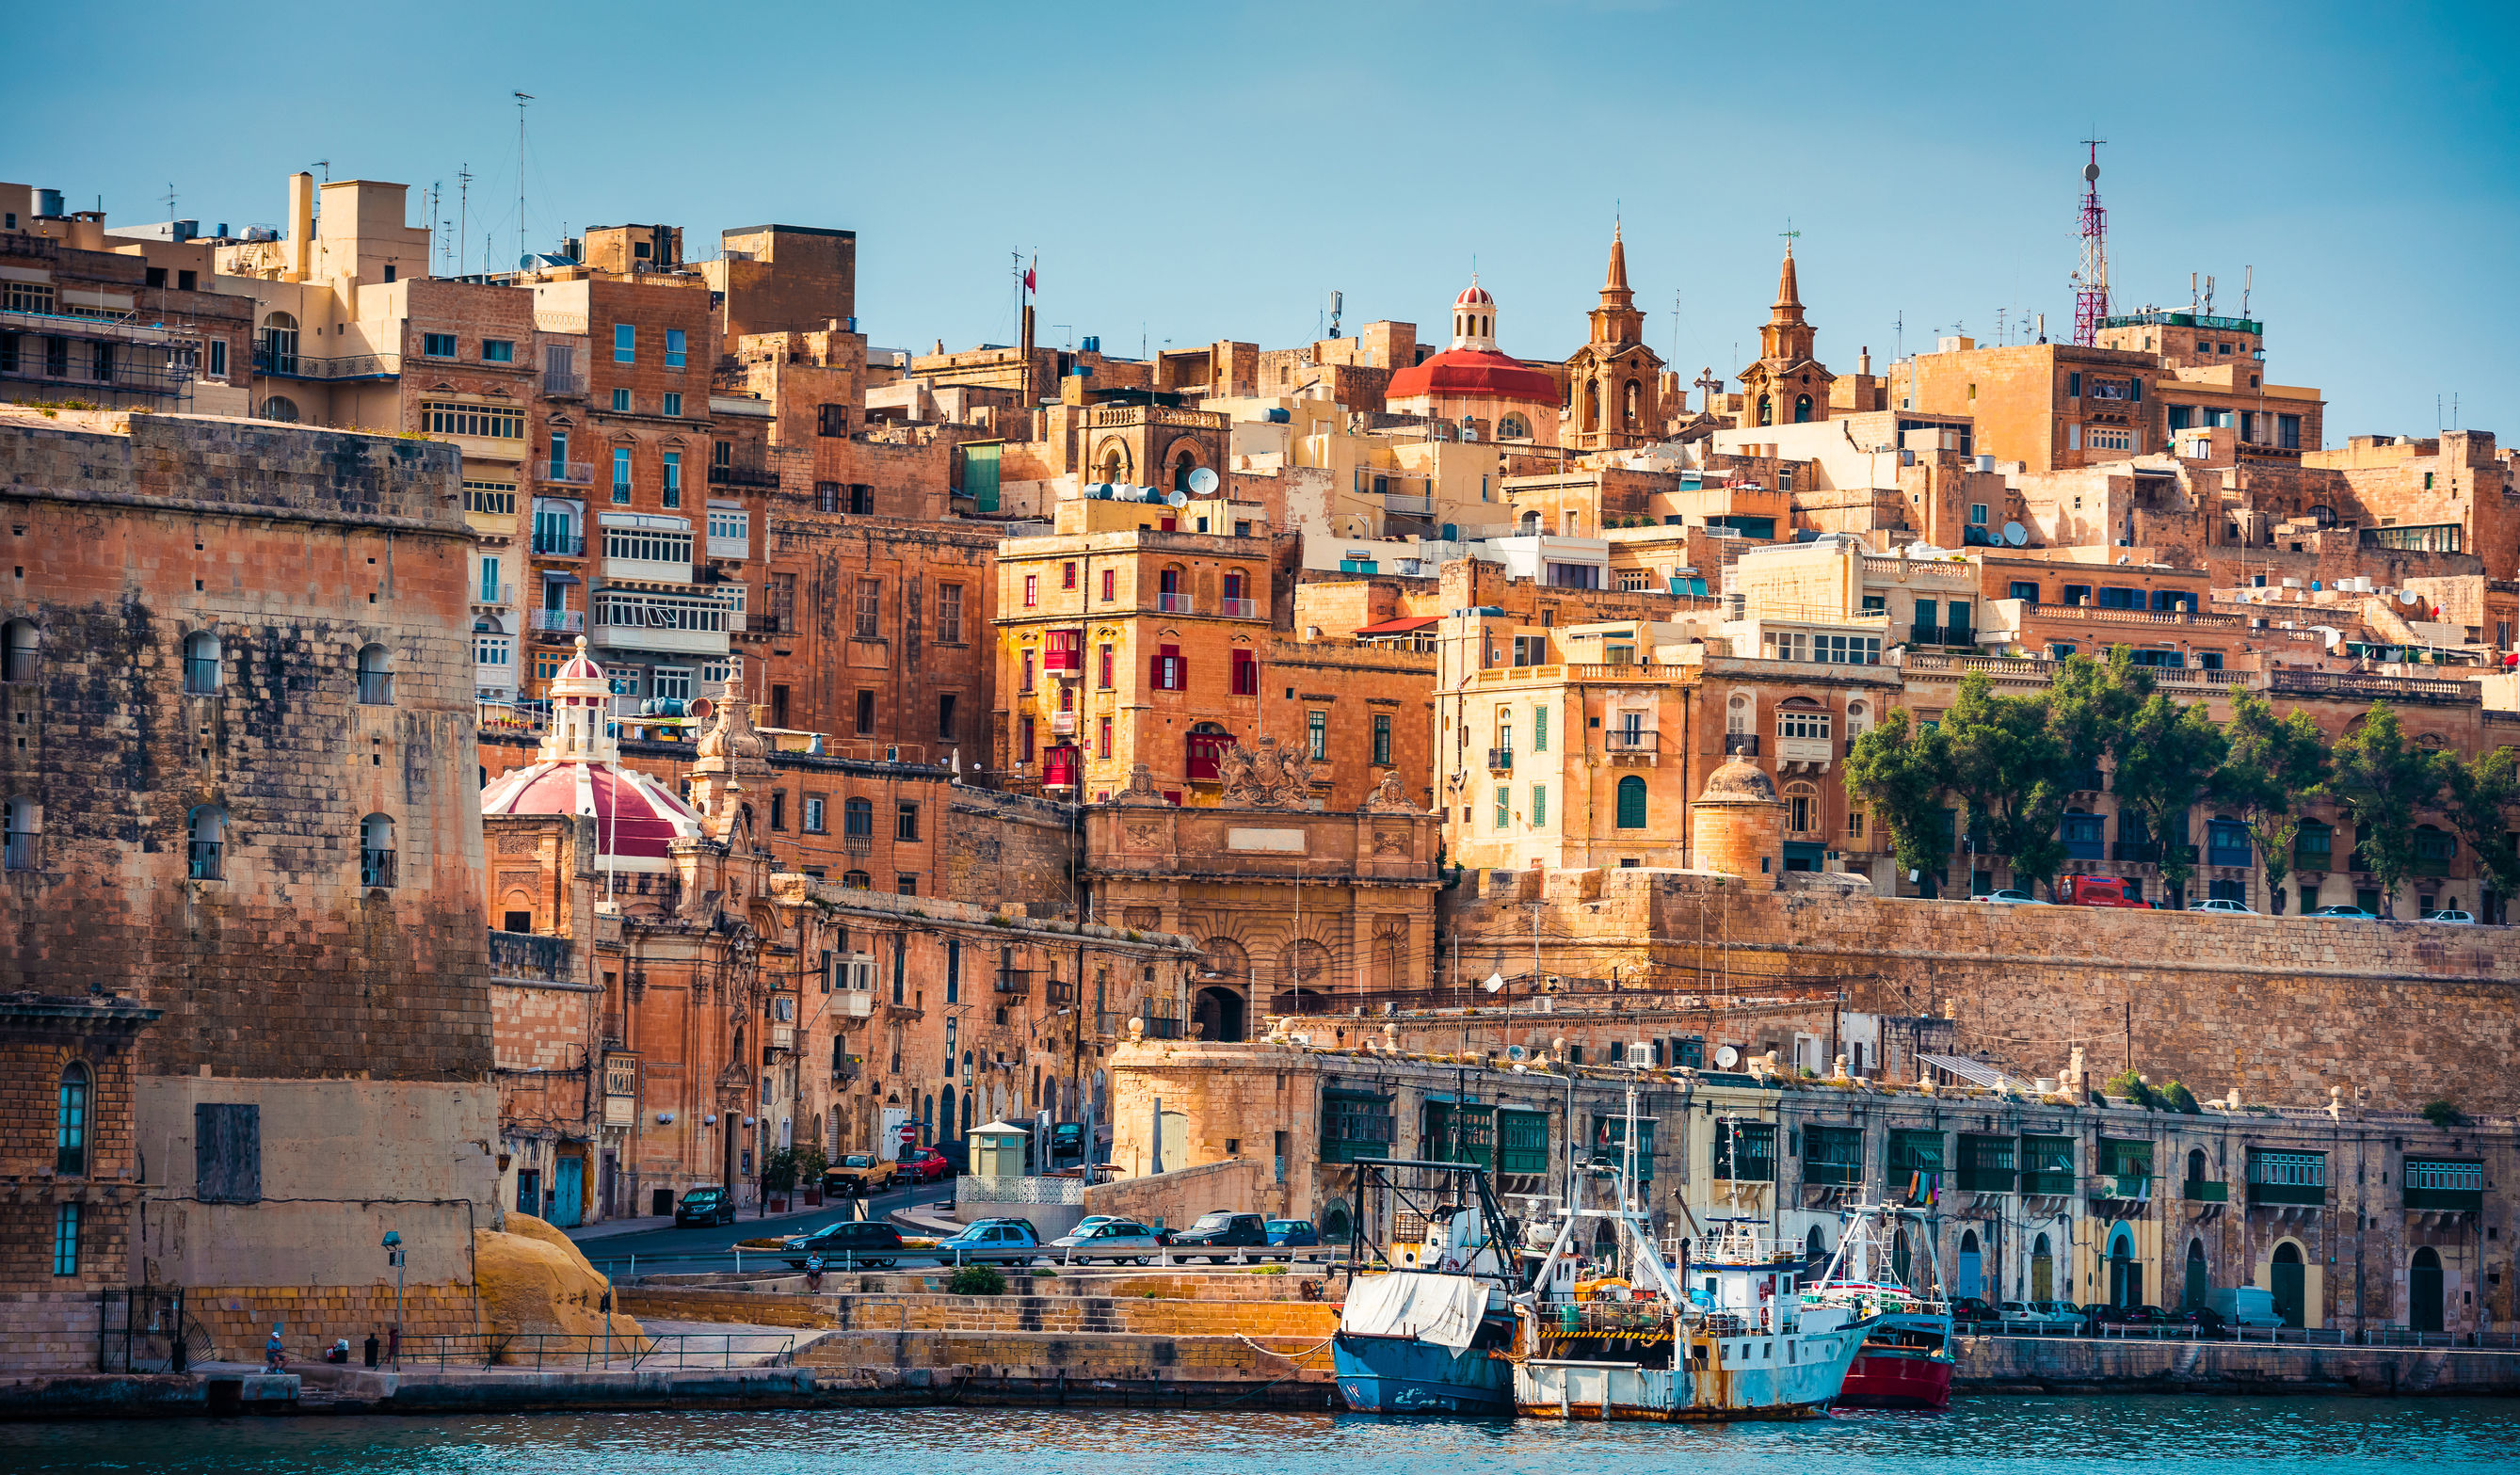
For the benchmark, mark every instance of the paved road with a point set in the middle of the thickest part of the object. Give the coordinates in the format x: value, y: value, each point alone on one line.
x: 710, y: 1246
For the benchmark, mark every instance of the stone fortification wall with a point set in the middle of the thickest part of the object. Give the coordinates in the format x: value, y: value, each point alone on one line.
x: 2280, y: 1008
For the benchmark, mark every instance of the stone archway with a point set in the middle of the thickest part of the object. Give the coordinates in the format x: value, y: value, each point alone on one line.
x: 1219, y: 1013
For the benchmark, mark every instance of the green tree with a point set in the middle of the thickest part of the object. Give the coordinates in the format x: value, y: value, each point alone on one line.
x: 2091, y: 703
x: 1900, y: 772
x: 2480, y: 791
x: 2380, y: 782
x: 2006, y: 763
x: 2168, y: 755
x: 2274, y: 763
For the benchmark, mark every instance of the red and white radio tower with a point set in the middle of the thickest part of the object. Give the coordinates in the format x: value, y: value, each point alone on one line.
x: 2092, y: 279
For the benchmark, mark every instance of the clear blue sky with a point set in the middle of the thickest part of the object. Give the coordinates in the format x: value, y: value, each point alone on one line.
x: 1213, y: 170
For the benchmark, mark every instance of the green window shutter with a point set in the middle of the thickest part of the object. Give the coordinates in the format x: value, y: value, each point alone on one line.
x: 1632, y: 803
x: 980, y: 475
x: 1540, y: 729
x: 1539, y: 805
x: 1522, y: 1142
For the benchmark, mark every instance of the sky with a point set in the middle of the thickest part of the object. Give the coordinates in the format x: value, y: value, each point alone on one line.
x: 1186, y: 173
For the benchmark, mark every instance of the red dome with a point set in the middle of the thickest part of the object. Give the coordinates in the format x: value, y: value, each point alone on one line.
x: 634, y: 816
x: 1472, y: 374
x: 1475, y: 296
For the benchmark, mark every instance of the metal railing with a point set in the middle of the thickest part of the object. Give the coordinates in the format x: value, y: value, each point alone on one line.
x: 1499, y: 759
x: 564, y: 383
x: 559, y: 545
x: 1618, y: 741
x: 1742, y: 744
x: 376, y: 867
x: 559, y: 621
x: 1242, y: 610
x: 743, y: 476
x: 562, y: 1349
x: 563, y: 473
x: 348, y: 366
x: 1176, y: 604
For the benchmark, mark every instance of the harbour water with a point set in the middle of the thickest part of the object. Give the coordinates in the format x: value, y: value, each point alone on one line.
x: 1980, y: 1436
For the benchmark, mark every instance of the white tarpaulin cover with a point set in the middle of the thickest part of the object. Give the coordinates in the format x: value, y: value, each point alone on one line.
x: 1444, y: 1309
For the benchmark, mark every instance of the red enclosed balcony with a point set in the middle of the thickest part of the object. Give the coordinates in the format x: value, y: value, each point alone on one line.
x: 1064, y: 651
x: 1206, y: 756
x: 1060, y: 767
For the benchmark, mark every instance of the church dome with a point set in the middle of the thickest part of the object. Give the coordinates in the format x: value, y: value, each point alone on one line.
x: 1473, y: 374
x: 636, y: 818
x: 1475, y: 296
x: 1738, y: 783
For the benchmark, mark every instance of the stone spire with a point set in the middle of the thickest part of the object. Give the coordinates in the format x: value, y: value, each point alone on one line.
x: 1786, y: 339
x: 1616, y: 320
x: 1789, y: 291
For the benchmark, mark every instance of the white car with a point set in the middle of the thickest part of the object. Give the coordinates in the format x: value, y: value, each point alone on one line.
x: 2225, y: 907
x: 2454, y: 919
x: 2010, y: 898
x: 1111, y: 1239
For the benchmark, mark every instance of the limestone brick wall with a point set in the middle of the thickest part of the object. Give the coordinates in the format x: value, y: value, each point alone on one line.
x: 1008, y: 848
x: 2282, y: 1008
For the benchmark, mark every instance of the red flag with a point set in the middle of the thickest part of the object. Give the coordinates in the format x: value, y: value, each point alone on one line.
x: 1028, y: 278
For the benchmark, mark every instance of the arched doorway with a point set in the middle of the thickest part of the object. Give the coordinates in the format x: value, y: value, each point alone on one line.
x: 2126, y: 1275
x: 1218, y: 1014
x: 2042, y: 1270
x: 2287, y: 1281
x: 1336, y: 1225
x: 1970, y: 1279
x: 1183, y: 465
x: 2200, y: 1283
x: 1815, y: 1244
x: 2424, y: 1291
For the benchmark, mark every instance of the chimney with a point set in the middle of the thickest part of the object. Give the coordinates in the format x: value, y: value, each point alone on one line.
x: 1863, y: 362
x: 302, y: 225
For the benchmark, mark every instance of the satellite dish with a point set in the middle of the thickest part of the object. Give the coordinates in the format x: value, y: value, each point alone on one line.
x: 2407, y: 597
x: 1201, y: 481
x: 1515, y: 1052
x: 1178, y: 500
x: 2016, y: 535
x: 1494, y: 982
x: 1726, y: 1057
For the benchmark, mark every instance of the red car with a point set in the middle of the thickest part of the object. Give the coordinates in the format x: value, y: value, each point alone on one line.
x: 924, y: 1165
x: 2096, y: 891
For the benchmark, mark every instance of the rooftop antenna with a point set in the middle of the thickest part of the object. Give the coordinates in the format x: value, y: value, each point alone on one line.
x: 2209, y: 294
x: 2248, y: 281
x: 1339, y: 305
x: 325, y: 165
x: 2091, y: 278
x: 522, y: 98
x: 170, y: 199
x: 463, y: 212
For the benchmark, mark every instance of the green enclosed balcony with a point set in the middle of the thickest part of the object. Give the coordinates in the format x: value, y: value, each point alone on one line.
x: 2202, y: 1191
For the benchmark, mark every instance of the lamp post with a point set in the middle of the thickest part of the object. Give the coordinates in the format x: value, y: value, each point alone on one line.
x: 394, y: 1257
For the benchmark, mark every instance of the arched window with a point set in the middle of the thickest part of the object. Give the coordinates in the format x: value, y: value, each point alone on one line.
x: 376, y: 677
x: 69, y: 1130
x: 376, y: 851
x: 1512, y: 426
x: 201, y: 663
x: 280, y: 346
x: 22, y: 824
x: 18, y: 649
x: 856, y: 880
x: 1183, y: 465
x: 282, y: 407
x: 1631, y: 802
x: 1591, y: 405
x: 1767, y: 411
x: 1632, y: 402
x: 1802, y: 409
x: 2196, y: 1173
x: 206, y: 842
x: 1814, y: 1244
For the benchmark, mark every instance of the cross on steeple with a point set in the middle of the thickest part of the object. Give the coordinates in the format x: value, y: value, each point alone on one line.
x: 1706, y: 384
x: 1789, y: 233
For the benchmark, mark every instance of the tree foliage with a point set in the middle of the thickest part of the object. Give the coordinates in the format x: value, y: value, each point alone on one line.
x: 2380, y: 782
x: 2274, y: 763
x: 2167, y: 757
x: 1899, y: 770
x: 2007, y: 764
x: 2479, y: 792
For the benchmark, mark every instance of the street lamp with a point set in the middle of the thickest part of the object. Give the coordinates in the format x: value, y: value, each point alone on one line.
x: 394, y: 1257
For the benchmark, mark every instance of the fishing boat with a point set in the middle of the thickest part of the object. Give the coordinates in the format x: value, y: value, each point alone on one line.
x: 1906, y: 1362
x: 1432, y: 1332
x: 1612, y: 1330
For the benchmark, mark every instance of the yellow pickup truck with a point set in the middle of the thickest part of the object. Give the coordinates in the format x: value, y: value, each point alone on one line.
x: 856, y: 1175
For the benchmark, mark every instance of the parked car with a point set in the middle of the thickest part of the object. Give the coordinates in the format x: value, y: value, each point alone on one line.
x: 1293, y: 1234
x: 847, y: 1241
x: 2453, y: 919
x: 1112, y: 1234
x: 921, y: 1165
x: 2340, y: 912
x: 855, y: 1176
x: 704, y: 1206
x: 1067, y: 1144
x: 2244, y: 1306
x: 1220, y: 1230
x: 994, y: 1236
x: 1974, y: 1311
x: 2010, y: 898
x: 2226, y: 908
x: 2034, y: 1316
x: 2062, y: 1314
x: 2096, y: 891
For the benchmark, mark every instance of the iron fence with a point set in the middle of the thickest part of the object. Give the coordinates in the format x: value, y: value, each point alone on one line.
x: 541, y: 1349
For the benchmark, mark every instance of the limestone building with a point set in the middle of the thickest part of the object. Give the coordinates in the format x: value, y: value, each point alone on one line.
x: 1614, y: 382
